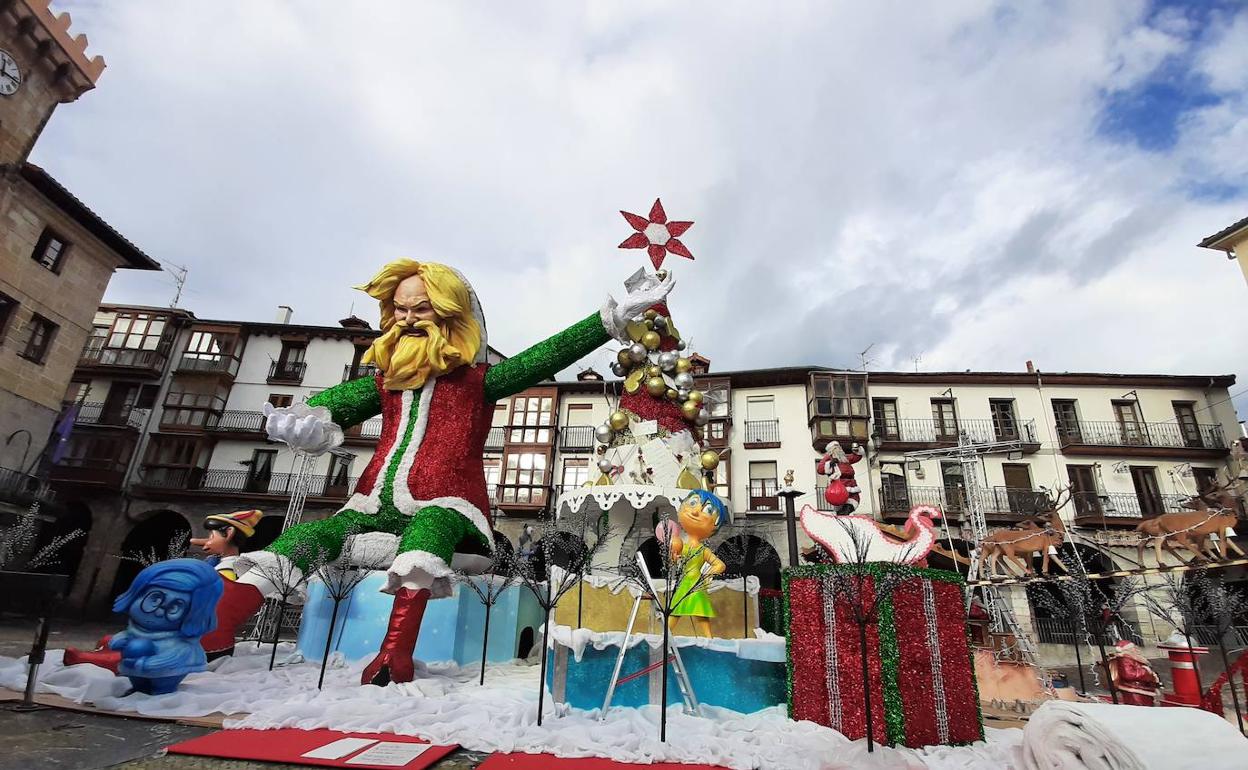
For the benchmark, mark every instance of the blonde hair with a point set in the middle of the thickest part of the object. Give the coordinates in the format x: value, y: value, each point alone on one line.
x: 458, y: 337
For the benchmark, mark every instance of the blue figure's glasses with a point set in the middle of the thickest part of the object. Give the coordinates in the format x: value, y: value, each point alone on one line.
x: 157, y: 600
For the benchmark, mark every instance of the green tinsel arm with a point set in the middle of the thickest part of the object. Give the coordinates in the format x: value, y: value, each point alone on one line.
x: 350, y: 403
x: 544, y: 359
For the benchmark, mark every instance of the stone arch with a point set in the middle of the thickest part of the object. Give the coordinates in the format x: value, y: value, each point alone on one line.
x: 73, y: 520
x: 156, y: 534
x: 563, y: 549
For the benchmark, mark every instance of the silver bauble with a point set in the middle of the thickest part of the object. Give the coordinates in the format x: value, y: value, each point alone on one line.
x: 637, y: 352
x: 703, y: 418
x: 683, y: 380
x: 681, y: 345
x: 604, y: 434
x: 682, y: 393
x: 660, y: 323
x: 667, y: 360
x: 618, y: 369
x: 605, y: 465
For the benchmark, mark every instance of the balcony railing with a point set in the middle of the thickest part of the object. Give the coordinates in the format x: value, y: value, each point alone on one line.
x: 236, y: 421
x: 201, y: 364
x: 763, y: 495
x: 350, y: 372
x: 1124, y: 505
x: 990, y: 500
x: 107, y: 471
x: 577, y: 438
x: 242, y: 482
x: 1166, y: 435
x: 494, y: 440
x: 904, y: 431
x: 287, y: 371
x: 1063, y: 631
x: 23, y: 489
x: 95, y: 413
x: 369, y: 430
x: 96, y: 354
x: 762, y: 433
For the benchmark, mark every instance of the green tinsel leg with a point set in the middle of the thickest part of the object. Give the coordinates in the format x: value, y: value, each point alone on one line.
x: 314, y: 541
x: 437, y: 531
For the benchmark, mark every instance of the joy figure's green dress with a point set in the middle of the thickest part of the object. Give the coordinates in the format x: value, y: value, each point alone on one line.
x: 690, y: 603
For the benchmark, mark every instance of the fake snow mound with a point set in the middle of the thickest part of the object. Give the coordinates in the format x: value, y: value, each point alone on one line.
x: 445, y: 705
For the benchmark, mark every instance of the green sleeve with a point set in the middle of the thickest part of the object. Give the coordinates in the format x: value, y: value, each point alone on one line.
x: 544, y: 359
x: 351, y: 403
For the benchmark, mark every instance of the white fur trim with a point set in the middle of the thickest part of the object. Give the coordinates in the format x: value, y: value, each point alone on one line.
x: 402, y: 491
x: 477, y: 313
x: 419, y: 569
x: 371, y: 502
x: 255, y: 568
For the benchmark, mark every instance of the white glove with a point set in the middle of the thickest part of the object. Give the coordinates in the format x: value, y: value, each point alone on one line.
x: 302, y: 428
x: 643, y: 291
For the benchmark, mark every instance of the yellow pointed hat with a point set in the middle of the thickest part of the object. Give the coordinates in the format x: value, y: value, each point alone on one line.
x: 243, y: 521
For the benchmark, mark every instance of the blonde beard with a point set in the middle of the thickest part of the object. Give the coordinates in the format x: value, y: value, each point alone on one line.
x: 408, y: 360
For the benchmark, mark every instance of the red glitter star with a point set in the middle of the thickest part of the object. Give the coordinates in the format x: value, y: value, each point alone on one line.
x: 656, y: 235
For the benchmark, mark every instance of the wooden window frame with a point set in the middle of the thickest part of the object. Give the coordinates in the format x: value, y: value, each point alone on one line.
x: 41, y: 247
x: 881, y: 420
x: 764, y: 503
x: 519, y: 431
x: 8, y: 311
x: 38, y: 354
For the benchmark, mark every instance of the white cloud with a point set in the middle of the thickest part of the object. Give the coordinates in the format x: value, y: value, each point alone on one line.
x: 928, y: 179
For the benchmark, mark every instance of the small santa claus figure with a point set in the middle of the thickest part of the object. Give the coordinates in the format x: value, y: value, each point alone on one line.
x: 1134, y: 679
x: 842, y: 491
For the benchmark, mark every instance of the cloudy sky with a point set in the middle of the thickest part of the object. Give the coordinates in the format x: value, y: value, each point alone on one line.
x: 971, y: 185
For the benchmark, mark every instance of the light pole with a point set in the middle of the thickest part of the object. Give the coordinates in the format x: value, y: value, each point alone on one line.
x: 790, y: 496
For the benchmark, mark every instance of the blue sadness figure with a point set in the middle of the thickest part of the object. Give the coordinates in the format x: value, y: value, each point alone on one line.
x: 171, y: 604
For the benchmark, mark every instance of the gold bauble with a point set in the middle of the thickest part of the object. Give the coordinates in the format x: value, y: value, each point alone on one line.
x: 655, y: 386
x: 618, y: 421
x: 649, y: 324
x: 650, y: 314
x: 651, y: 340
x: 695, y: 396
x: 689, y: 410
x: 683, y: 365
x: 653, y: 371
x: 624, y: 358
x: 709, y: 459
x: 672, y: 394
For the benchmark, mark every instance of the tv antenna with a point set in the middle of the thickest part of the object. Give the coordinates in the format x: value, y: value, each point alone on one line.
x: 863, y: 356
x: 179, y: 273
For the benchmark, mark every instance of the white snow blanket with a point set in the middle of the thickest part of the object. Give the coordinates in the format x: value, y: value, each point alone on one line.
x: 1063, y: 735
x: 445, y: 705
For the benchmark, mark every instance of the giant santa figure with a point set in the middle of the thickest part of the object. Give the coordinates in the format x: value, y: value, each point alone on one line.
x: 435, y: 393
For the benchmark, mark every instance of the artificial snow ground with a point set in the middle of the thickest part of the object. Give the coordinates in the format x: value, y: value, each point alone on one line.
x: 445, y: 705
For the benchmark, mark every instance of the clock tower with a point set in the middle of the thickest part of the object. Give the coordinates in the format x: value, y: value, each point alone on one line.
x: 41, y: 65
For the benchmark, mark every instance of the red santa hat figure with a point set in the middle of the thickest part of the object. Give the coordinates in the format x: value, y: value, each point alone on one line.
x: 842, y: 491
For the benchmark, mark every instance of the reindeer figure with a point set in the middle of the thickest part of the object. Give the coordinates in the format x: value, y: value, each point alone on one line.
x: 1211, y: 512
x: 1021, y: 543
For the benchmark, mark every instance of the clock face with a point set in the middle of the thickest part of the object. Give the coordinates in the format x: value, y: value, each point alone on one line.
x: 10, y: 75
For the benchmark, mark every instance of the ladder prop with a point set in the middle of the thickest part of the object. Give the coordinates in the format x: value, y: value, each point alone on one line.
x: 670, y: 656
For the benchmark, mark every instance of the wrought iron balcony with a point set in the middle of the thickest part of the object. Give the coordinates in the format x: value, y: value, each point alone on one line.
x: 350, y: 372
x: 96, y: 413
x: 494, y: 440
x: 995, y: 502
x: 1093, y: 508
x: 24, y: 490
x: 101, y: 471
x: 366, y: 432
x: 246, y: 482
x: 936, y: 432
x: 761, y: 433
x: 1141, y: 435
x: 577, y: 438
x: 287, y: 371
x: 237, y: 421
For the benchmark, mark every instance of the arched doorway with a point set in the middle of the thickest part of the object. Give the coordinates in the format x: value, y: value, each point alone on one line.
x: 656, y: 562
x: 162, y: 535
x: 750, y: 555
x: 1052, y: 602
x: 563, y: 549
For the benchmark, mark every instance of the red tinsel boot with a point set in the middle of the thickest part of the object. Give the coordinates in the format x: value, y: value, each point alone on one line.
x: 101, y: 656
x: 394, y: 660
x: 239, y: 602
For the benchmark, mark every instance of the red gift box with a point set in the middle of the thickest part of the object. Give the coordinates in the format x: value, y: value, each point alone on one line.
x: 919, y: 660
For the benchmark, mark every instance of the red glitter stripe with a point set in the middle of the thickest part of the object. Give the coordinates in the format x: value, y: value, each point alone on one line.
x: 918, y: 698
x: 849, y: 661
x: 391, y: 410
x: 807, y: 640
x: 955, y: 653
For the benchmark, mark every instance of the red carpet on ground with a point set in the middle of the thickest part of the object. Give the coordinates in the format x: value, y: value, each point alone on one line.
x: 520, y: 761
x: 289, y: 745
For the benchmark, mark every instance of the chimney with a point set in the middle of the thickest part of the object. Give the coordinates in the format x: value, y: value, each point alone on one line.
x: 589, y: 375
x: 1031, y: 368
x: 284, y: 312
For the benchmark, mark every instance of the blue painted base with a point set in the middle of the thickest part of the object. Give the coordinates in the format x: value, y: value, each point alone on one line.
x: 719, y: 678
x: 451, y: 630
